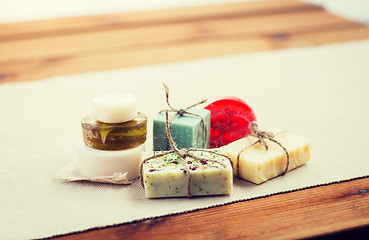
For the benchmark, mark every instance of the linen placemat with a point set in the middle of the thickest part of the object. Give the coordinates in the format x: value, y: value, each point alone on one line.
x: 320, y: 93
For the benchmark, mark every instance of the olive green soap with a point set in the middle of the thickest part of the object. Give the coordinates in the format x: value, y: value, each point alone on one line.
x: 186, y: 130
x: 114, y: 136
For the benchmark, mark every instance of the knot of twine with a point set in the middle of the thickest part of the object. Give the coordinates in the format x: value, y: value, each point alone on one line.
x: 262, y: 136
x: 181, y: 112
x: 183, y: 154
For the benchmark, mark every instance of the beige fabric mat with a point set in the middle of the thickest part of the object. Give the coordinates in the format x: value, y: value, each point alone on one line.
x: 317, y: 92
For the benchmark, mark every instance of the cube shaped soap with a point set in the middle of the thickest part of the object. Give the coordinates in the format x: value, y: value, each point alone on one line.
x: 258, y: 165
x: 166, y: 176
x: 186, y: 130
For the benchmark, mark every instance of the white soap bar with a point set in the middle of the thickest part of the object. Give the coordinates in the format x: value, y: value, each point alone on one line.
x: 96, y: 163
x: 258, y: 165
x: 115, y: 107
x: 166, y: 176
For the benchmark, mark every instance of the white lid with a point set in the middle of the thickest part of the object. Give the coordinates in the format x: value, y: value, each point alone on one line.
x: 115, y: 107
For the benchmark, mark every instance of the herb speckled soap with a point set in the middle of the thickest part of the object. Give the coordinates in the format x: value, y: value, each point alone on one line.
x: 258, y: 165
x: 165, y: 176
x: 186, y: 130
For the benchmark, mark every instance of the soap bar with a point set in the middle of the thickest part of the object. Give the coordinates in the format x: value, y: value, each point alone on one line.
x: 258, y: 165
x: 186, y: 130
x: 165, y: 176
x: 114, y: 136
x: 115, y: 107
x: 97, y: 163
x: 230, y: 120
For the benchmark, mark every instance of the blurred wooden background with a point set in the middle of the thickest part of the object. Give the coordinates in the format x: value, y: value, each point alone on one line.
x: 40, y: 49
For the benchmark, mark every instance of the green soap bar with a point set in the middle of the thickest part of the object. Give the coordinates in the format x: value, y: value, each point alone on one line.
x: 186, y: 130
x: 165, y: 176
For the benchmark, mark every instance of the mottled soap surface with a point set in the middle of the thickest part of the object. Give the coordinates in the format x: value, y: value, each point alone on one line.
x: 166, y: 177
x: 258, y: 165
x: 186, y: 130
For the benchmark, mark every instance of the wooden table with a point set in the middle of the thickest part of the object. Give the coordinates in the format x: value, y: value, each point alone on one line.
x: 40, y: 49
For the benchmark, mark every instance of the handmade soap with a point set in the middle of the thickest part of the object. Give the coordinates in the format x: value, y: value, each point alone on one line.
x: 258, y: 165
x: 230, y: 118
x: 187, y: 130
x: 115, y: 107
x: 96, y: 163
x: 165, y: 176
x: 114, y: 136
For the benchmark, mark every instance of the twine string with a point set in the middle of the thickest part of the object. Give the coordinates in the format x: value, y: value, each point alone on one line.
x: 180, y: 112
x: 262, y: 136
x: 183, y: 154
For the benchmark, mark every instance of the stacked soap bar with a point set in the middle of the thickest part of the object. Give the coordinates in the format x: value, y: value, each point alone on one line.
x: 258, y: 165
x: 166, y: 176
x: 187, y: 130
x: 113, y: 137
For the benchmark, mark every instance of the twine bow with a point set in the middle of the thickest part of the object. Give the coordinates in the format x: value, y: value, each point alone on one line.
x: 183, y: 154
x: 181, y: 112
x: 262, y: 137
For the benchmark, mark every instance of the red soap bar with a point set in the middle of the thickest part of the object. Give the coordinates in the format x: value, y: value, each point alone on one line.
x: 230, y: 118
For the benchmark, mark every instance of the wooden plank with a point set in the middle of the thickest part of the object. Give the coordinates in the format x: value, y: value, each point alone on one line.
x: 41, y: 49
x: 85, y: 43
x: 13, y: 31
x: 293, y: 215
x: 37, y: 68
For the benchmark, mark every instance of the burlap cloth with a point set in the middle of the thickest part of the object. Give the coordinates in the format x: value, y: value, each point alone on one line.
x: 317, y: 92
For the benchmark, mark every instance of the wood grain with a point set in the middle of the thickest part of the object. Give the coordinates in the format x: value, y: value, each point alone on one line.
x: 179, y: 33
x: 41, y: 49
x: 300, y: 214
x: 38, y: 68
x: 13, y: 31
